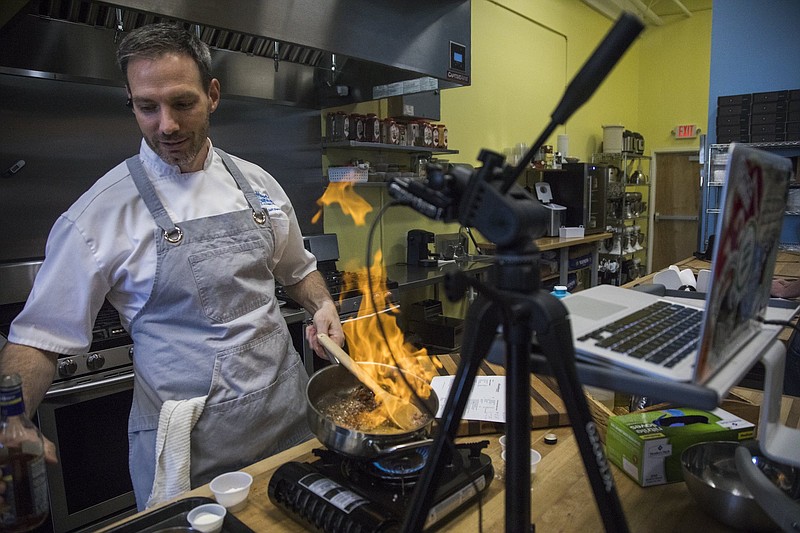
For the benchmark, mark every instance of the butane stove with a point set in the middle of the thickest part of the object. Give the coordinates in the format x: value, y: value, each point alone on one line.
x: 336, y: 493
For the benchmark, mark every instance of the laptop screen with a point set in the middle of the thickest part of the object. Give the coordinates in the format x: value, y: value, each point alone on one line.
x: 745, y: 249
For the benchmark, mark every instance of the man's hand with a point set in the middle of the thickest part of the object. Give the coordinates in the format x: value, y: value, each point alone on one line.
x: 50, y: 455
x: 325, y: 320
x: 312, y: 293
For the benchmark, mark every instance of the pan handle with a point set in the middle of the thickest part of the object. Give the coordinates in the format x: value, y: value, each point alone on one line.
x: 400, y: 447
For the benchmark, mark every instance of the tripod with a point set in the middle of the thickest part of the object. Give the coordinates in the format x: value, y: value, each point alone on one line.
x: 525, y: 309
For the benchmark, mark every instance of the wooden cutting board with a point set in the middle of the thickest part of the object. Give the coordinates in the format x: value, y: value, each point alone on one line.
x: 547, y: 409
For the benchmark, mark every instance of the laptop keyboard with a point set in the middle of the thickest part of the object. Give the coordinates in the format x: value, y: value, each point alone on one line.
x: 661, y: 333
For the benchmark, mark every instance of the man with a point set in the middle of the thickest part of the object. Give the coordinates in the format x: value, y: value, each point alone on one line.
x: 187, y: 243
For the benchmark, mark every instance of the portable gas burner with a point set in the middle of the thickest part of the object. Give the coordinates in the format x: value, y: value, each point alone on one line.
x: 339, y: 493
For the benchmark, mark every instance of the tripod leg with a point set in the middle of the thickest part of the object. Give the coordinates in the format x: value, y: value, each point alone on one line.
x: 479, y: 327
x: 556, y: 343
x: 518, y: 423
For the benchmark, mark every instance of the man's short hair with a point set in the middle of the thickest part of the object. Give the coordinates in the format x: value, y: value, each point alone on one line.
x: 155, y: 40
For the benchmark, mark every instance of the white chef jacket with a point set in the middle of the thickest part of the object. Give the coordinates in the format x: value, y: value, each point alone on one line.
x: 104, y: 246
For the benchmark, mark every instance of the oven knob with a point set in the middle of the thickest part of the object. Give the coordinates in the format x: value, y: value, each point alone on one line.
x: 67, y: 367
x: 95, y: 361
x: 130, y: 353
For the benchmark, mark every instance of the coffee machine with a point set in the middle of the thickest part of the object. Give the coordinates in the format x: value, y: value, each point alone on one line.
x: 418, y: 253
x: 588, y: 191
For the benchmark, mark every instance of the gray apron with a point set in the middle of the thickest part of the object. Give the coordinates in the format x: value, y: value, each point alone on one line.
x: 212, y: 326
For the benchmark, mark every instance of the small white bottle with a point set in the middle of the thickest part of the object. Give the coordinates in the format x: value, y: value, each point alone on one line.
x: 560, y: 291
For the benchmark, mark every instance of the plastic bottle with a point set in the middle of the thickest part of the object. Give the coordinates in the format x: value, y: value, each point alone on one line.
x: 24, y: 504
x: 559, y: 291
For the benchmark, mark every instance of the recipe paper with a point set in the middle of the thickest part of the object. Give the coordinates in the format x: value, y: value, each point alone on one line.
x: 486, y: 402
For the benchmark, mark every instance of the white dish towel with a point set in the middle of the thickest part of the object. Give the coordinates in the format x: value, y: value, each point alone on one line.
x: 173, y: 448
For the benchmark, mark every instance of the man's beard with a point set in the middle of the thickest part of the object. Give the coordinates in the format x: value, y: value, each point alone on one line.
x: 197, y: 142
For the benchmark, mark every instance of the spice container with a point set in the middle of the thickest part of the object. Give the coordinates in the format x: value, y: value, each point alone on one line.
x: 338, y: 126
x: 372, y: 129
x: 427, y: 134
x: 549, y: 156
x: 402, y: 134
x: 413, y: 135
x: 356, y: 127
x: 442, y: 136
x: 390, y: 133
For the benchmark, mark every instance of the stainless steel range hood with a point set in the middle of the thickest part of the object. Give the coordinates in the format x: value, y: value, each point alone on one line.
x: 300, y: 52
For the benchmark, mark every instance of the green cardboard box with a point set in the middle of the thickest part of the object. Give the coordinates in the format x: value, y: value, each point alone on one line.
x: 648, y: 445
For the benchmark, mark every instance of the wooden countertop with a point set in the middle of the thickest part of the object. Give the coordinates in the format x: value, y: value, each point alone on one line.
x: 554, y: 243
x: 787, y: 265
x: 561, y: 497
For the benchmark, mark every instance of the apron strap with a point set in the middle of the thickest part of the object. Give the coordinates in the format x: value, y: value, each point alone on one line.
x: 171, y: 232
x: 260, y: 215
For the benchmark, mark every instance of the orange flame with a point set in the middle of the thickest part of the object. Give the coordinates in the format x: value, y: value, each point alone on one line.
x: 366, y: 342
x: 365, y: 333
x: 351, y: 203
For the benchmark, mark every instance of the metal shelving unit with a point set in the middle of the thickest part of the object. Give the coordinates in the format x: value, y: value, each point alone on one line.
x: 360, y: 145
x: 714, y: 178
x: 632, y: 230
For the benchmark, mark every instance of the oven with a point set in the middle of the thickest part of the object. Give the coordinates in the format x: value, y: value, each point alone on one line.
x: 85, y: 413
x: 90, y: 486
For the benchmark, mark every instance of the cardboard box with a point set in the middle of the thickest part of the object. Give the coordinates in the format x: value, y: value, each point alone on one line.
x: 648, y: 445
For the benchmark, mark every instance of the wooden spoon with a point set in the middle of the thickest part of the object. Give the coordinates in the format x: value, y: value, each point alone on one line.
x: 403, y: 413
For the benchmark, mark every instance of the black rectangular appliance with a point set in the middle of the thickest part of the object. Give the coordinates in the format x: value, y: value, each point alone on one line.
x: 340, y: 493
x: 588, y: 191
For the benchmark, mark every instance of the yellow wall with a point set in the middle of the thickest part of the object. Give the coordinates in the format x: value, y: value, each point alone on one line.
x: 524, y: 52
x: 674, y: 80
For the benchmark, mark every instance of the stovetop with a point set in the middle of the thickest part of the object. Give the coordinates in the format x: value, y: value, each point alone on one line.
x: 109, y: 355
x: 337, y: 493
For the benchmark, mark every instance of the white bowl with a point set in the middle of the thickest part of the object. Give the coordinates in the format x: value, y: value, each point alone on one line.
x: 207, y: 518
x: 231, y: 489
x: 535, y: 458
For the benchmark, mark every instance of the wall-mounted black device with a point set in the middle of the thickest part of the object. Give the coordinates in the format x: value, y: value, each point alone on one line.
x: 458, y: 56
x: 418, y: 253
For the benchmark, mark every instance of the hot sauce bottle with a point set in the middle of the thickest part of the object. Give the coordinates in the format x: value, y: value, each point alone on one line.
x: 23, y: 502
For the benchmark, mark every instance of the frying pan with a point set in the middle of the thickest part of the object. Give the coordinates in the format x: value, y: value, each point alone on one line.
x: 334, y: 383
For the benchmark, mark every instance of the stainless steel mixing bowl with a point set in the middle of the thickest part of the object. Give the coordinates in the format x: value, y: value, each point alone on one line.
x: 709, y: 469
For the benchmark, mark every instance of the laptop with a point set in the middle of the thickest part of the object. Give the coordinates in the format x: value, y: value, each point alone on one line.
x: 635, y: 330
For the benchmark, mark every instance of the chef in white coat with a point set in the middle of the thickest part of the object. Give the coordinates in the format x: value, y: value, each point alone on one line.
x: 187, y: 243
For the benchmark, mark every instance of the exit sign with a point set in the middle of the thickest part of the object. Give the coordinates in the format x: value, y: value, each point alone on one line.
x: 686, y: 131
